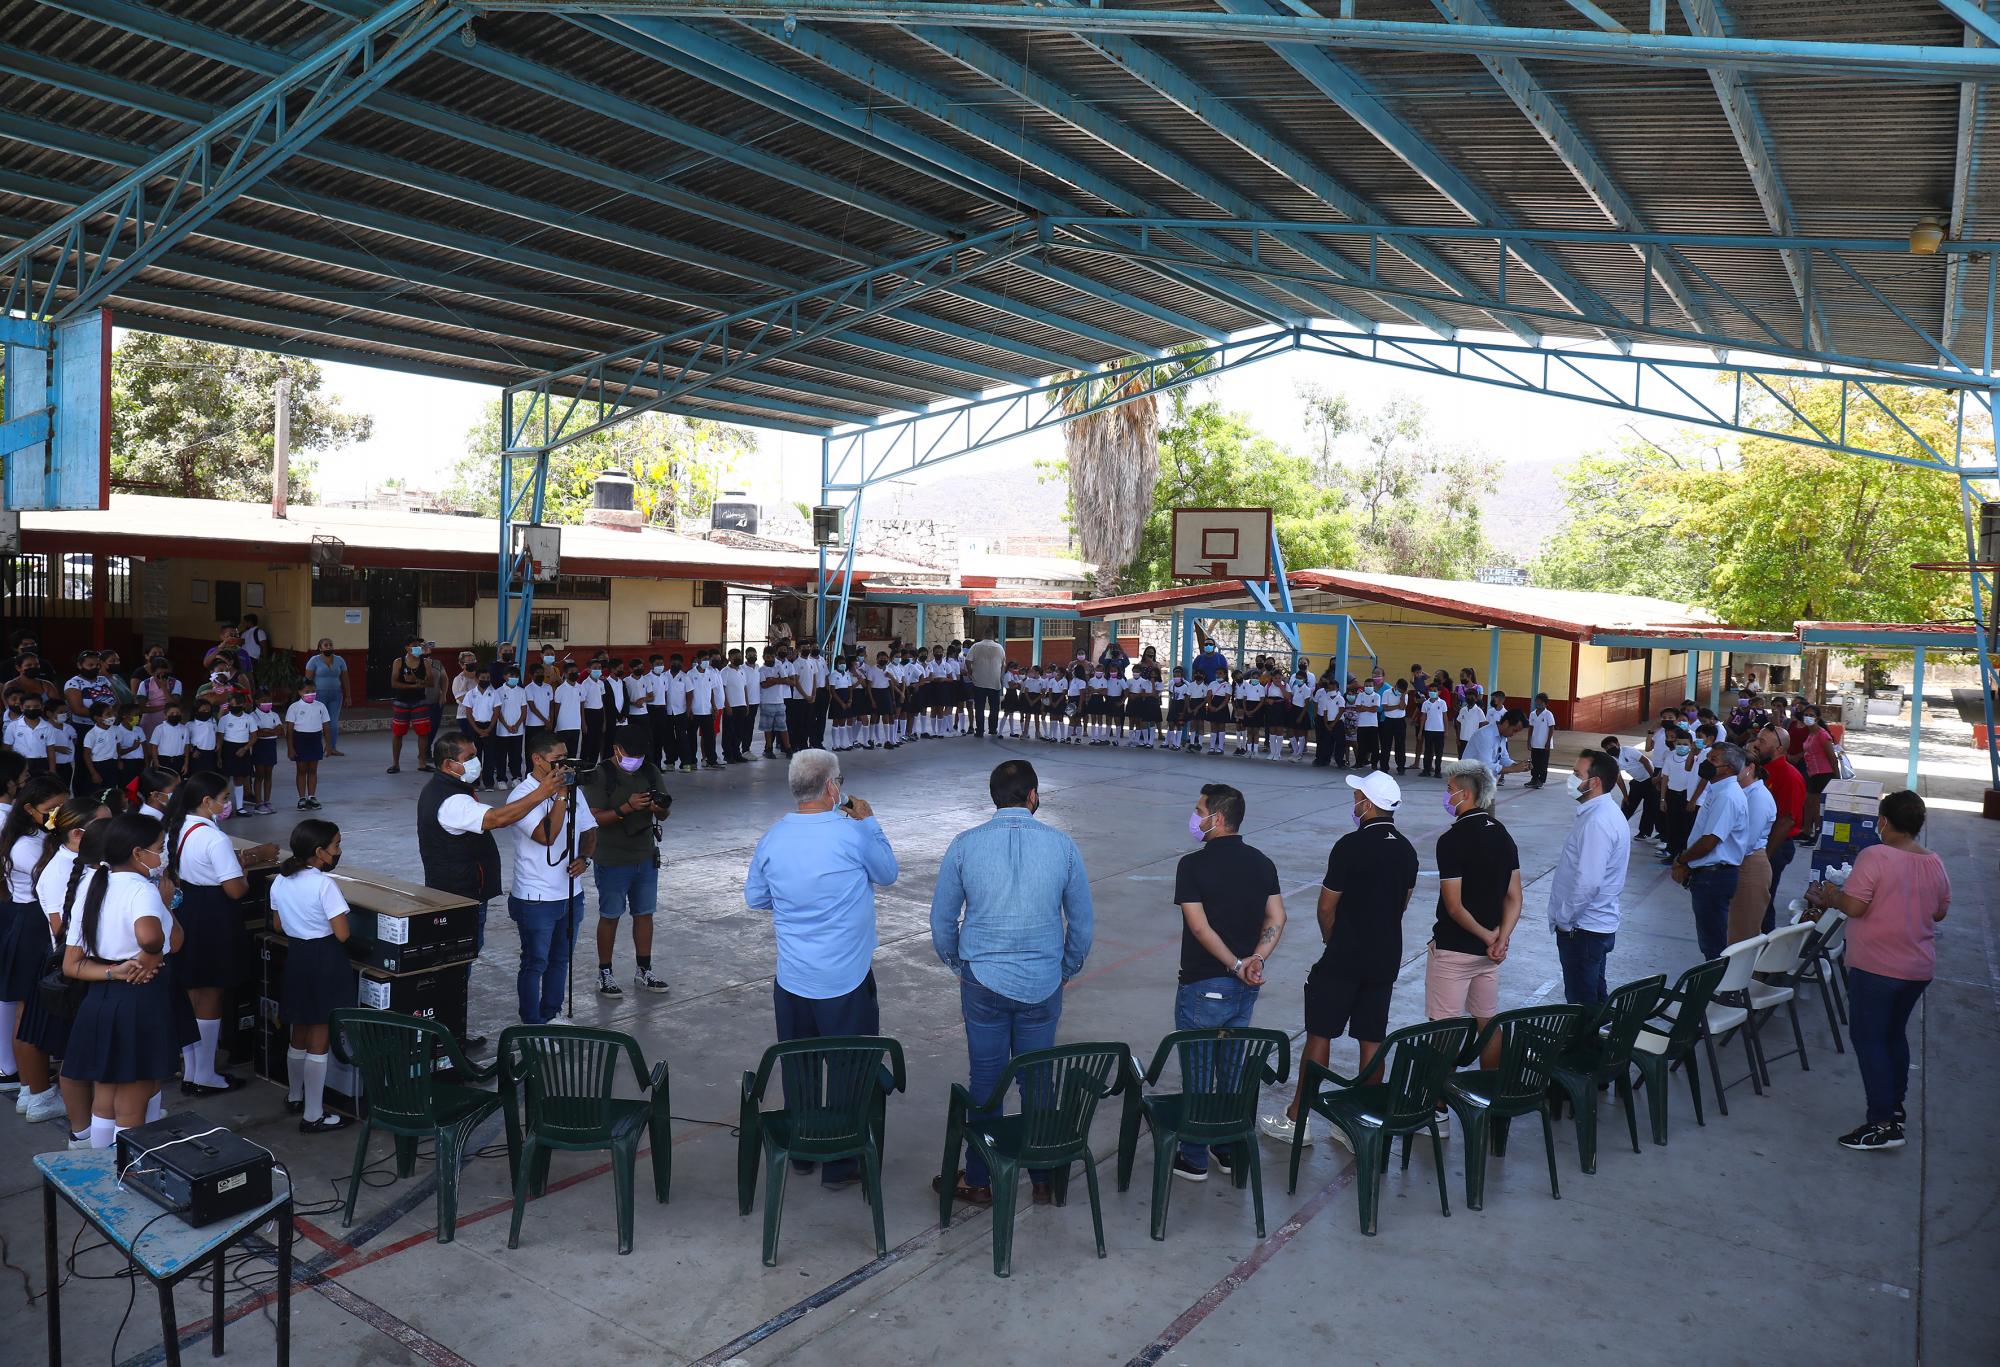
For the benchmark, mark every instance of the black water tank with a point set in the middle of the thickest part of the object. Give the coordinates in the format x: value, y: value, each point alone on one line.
x: 735, y: 511
x: 613, y: 491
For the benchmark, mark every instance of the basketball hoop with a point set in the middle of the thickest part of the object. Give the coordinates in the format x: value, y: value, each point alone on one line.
x: 1214, y: 544
x: 327, y: 552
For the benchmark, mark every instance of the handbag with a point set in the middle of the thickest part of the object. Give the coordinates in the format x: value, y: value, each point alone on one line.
x: 1845, y: 766
x: 61, y: 996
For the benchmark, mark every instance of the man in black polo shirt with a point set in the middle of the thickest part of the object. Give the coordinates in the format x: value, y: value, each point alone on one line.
x: 1231, y: 917
x: 1479, y: 902
x: 1369, y: 878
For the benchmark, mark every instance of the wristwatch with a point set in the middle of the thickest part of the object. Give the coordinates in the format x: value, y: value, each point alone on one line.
x: 1237, y: 967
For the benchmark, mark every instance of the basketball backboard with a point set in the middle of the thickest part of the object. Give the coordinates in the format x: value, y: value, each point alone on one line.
x: 1222, y: 543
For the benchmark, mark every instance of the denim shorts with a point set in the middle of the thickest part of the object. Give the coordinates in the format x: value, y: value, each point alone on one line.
x: 623, y: 887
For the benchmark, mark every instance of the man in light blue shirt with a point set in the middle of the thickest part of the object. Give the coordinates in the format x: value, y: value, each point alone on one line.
x: 816, y: 872
x: 1709, y: 866
x: 1011, y: 917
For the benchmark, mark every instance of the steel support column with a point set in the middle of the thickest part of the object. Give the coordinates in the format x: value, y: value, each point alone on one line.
x: 1916, y: 716
x: 1492, y: 660
x: 1535, y: 673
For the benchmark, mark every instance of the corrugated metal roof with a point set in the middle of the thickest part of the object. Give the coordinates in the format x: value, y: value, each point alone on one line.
x: 472, y: 223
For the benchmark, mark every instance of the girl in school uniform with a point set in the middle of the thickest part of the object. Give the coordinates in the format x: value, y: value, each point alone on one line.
x: 1116, y: 687
x: 264, y: 753
x: 305, y: 745
x: 167, y: 747
x: 201, y: 738
x: 1143, y: 707
x: 154, y: 790
x: 1250, y: 711
x: 1010, y: 701
x: 43, y: 1035
x: 236, y: 738
x: 125, y: 1038
x: 1221, y: 699
x: 213, y: 956
x: 840, y: 707
x: 310, y: 912
x: 23, y: 938
x: 1301, y: 694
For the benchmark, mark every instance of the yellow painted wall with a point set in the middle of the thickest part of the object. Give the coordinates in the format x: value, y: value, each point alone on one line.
x: 333, y: 622
x: 284, y: 613
x: 1596, y: 673
x: 1402, y: 636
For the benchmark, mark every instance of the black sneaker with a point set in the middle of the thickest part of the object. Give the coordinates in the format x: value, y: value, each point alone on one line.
x: 1188, y: 1171
x: 1902, y: 1116
x: 1222, y: 1162
x: 1871, y: 1138
x: 607, y: 985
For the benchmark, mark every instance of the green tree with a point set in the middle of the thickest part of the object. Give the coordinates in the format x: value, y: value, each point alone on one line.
x: 1416, y: 502
x: 1626, y: 526
x: 1210, y: 457
x: 677, y: 465
x: 197, y: 420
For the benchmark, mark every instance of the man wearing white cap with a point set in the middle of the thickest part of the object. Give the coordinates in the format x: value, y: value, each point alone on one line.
x: 1369, y: 878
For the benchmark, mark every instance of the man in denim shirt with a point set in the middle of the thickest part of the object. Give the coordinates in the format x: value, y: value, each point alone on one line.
x: 1011, y: 917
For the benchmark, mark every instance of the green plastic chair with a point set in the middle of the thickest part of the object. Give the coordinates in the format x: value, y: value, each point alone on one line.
x: 1417, y: 1060
x: 560, y: 1084
x: 396, y: 1056
x: 1670, y: 1043
x: 836, y: 1106
x: 1604, y: 1055
x: 1222, y: 1073
x: 1486, y: 1099
x: 1060, y: 1089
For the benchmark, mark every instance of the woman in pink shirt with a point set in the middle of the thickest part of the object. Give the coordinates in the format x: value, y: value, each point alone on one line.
x: 1894, y: 899
x: 1821, y: 765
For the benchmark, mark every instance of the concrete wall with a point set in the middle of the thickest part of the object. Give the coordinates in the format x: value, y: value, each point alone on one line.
x: 1403, y: 636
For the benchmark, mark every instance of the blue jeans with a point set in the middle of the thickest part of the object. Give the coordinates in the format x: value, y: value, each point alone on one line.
x: 548, y: 935
x: 1582, y: 953
x: 479, y: 946
x: 622, y: 887
x: 1878, y: 1016
x: 1712, y: 886
x: 331, y: 702
x: 996, y: 1029
x: 1209, y: 1004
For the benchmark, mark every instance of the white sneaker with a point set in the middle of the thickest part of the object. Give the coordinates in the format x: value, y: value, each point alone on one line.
x: 79, y: 1143
x: 1444, y: 1124
x: 1279, y: 1126
x: 20, y: 1099
x: 47, y: 1106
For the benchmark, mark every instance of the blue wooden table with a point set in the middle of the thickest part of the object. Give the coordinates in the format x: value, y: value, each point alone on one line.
x: 163, y: 1246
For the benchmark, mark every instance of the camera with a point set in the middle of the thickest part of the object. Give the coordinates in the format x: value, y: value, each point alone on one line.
x: 660, y: 801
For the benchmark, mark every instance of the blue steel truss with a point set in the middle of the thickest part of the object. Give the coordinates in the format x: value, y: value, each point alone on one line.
x: 103, y: 243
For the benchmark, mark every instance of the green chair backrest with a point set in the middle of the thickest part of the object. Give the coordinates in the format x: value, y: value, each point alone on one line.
x: 569, y: 1073
x: 1532, y: 1037
x: 1421, y: 1060
x: 1060, y: 1089
x: 1223, y: 1072
x: 1625, y: 1012
x: 1695, y: 988
x: 831, y: 1084
x: 396, y: 1058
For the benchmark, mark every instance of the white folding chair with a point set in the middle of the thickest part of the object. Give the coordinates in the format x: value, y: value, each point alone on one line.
x: 1774, y: 983
x: 1822, y: 969
x: 1728, y: 1010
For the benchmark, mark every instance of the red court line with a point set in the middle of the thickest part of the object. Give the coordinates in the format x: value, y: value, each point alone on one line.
x: 1102, y: 969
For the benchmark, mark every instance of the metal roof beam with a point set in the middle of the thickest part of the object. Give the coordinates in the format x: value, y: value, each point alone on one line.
x: 1973, y: 135
x: 1368, y: 107
x: 219, y: 46
x: 1760, y: 160
x: 134, y: 220
x: 1973, y: 14
x: 863, y: 126
x: 1123, y: 138
x: 1553, y: 122
x: 1155, y: 71
x: 1899, y: 61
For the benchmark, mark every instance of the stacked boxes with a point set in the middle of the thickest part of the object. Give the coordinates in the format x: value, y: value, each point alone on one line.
x: 1847, y: 825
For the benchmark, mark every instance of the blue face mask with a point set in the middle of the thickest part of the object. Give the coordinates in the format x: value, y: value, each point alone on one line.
x: 596, y: 673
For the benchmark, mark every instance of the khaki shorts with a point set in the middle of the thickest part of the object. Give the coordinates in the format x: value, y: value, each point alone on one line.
x: 1458, y: 984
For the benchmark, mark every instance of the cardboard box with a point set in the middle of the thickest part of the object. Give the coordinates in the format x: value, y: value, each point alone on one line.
x: 1861, y: 796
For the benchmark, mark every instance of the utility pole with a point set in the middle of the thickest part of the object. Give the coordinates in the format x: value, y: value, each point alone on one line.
x: 281, y: 445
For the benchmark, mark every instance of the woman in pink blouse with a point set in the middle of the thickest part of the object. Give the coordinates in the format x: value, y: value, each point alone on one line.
x: 1894, y: 899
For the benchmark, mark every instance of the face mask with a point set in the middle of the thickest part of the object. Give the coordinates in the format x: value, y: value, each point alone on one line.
x: 416, y: 652
x: 36, y: 716
x: 308, y: 696
x: 469, y: 771
x: 548, y: 659
x: 1682, y: 748
x: 154, y: 874
x: 596, y: 673
x: 512, y: 681
x: 263, y: 707
x: 1196, y: 831
x: 659, y: 669
x: 1573, y: 785
x: 227, y: 810
x: 1450, y: 807
x: 173, y: 718
x: 204, y: 714
x: 630, y: 763
x: 1706, y: 770
x: 330, y: 865
x: 1357, y: 817
x: 1434, y: 694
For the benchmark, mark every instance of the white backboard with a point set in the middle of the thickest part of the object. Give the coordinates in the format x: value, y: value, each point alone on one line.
x: 1222, y: 543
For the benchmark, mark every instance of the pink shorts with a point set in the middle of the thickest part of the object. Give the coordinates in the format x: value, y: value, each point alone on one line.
x: 1458, y: 984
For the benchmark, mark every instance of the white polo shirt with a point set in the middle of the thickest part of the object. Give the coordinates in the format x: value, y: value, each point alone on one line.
x: 1541, y: 726
x: 568, y: 699
x: 535, y: 878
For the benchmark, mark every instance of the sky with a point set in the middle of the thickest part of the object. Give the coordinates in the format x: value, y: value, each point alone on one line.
x: 420, y: 424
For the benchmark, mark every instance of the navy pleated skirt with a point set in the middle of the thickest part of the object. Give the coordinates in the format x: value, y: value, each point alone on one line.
x: 214, y: 949
x: 38, y: 1027
x: 319, y: 979
x: 24, y: 945
x: 125, y: 1032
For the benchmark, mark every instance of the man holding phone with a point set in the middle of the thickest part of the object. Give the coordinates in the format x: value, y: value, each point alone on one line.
x: 627, y: 798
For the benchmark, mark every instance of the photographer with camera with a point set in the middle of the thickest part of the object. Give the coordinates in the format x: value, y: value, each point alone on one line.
x: 545, y: 900
x: 626, y: 798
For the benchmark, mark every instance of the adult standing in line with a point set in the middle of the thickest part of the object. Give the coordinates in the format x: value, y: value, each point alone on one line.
x: 774, y: 683
x: 1394, y: 734
x: 1436, y: 710
x: 816, y: 872
x: 1753, y: 881
x: 593, y: 686
x: 436, y: 685
x: 734, y: 695
x: 327, y: 673
x: 1232, y: 916
x: 1589, y: 877
x: 256, y: 643
x: 455, y: 829
x: 1011, y: 918
x: 621, y: 794
x: 704, y: 693
x: 409, y: 710
x: 1371, y: 873
x: 1894, y: 899
x: 1209, y: 662
x: 545, y: 898
x: 1822, y: 765
x: 1541, y: 738
x: 1712, y: 862
x: 986, y: 662
x: 85, y: 689
x: 1788, y: 791
x: 463, y: 684
x: 1478, y: 906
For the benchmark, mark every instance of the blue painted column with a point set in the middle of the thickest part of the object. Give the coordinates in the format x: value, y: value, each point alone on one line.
x: 1187, y: 641
x: 1037, y: 659
x: 1693, y: 668
x: 920, y: 624
x: 1715, y: 685
x: 1002, y: 636
x: 1916, y: 717
x: 1242, y: 629
x: 1493, y: 661
x: 1340, y: 658
x: 1535, y: 676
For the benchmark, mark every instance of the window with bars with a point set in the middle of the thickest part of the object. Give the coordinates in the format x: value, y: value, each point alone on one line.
x: 709, y: 593
x: 549, y: 624
x: 33, y: 585
x: 666, y: 626
x: 587, y: 587
x: 339, y: 586
x: 447, y: 589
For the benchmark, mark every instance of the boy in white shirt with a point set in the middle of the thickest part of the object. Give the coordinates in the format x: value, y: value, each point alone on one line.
x: 1541, y: 738
x: 538, y: 706
x: 510, y: 725
x: 480, y: 703
x: 306, y: 722
x: 34, y: 739
x: 100, y: 749
x: 167, y: 747
x: 567, y: 717
x: 1435, y: 708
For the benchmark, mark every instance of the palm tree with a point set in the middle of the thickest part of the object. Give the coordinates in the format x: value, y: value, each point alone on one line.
x: 1114, y: 462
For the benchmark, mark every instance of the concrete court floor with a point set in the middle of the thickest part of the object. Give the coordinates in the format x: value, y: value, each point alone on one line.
x: 1755, y: 1238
